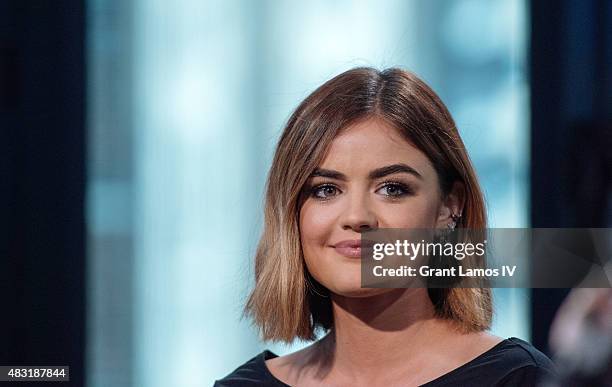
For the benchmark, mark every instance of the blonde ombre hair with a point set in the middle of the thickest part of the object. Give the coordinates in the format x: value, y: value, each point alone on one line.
x: 283, y: 304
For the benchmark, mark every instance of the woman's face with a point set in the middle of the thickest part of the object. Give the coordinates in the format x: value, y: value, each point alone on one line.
x: 370, y: 178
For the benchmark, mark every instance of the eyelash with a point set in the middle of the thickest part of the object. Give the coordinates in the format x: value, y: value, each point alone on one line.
x: 407, y: 190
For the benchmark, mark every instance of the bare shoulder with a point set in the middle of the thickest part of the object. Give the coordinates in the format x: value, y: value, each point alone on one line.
x: 485, y: 339
x: 475, y: 344
x: 287, y: 361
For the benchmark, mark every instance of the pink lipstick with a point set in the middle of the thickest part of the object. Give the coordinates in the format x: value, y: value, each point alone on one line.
x: 351, y: 248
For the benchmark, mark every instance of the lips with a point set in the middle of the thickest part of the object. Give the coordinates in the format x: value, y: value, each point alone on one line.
x: 352, y: 248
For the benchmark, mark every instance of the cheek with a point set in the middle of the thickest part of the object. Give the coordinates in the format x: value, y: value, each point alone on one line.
x: 315, y: 220
x: 315, y: 223
x: 316, y: 226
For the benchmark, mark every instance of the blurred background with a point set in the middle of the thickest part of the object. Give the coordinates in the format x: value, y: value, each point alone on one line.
x: 136, y: 137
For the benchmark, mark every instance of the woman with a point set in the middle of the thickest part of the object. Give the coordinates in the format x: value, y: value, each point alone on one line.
x: 368, y: 150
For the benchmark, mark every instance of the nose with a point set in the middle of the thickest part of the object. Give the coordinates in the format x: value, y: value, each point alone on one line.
x: 359, y: 215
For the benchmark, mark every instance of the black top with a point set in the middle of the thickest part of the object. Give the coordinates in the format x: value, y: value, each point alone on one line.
x: 512, y: 362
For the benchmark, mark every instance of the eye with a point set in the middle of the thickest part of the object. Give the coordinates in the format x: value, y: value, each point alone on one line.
x: 395, y: 189
x: 324, y: 191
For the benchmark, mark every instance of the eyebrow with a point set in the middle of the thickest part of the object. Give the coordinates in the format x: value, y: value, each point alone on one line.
x: 375, y: 174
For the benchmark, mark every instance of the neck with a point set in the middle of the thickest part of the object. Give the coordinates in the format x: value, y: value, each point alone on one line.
x: 385, y: 331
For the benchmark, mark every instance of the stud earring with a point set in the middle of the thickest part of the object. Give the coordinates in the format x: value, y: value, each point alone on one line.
x: 455, y: 219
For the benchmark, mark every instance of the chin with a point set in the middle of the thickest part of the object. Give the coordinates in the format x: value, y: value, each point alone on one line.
x: 359, y: 292
x: 349, y: 285
x: 343, y: 278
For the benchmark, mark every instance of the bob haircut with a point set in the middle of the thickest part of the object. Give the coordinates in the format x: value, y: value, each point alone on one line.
x: 282, y: 304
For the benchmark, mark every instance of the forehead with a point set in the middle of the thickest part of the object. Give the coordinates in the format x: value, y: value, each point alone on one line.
x: 373, y: 143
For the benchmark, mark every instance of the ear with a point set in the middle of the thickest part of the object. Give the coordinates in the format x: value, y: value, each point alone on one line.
x: 452, y: 204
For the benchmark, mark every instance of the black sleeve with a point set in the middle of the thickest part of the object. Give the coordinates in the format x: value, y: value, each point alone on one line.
x: 529, y: 376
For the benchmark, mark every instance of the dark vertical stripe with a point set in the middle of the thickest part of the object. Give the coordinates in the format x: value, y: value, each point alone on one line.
x: 42, y: 146
x: 570, y: 89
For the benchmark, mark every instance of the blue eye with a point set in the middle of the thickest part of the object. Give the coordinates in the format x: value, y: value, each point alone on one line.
x: 395, y: 189
x: 325, y: 191
x: 389, y: 189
